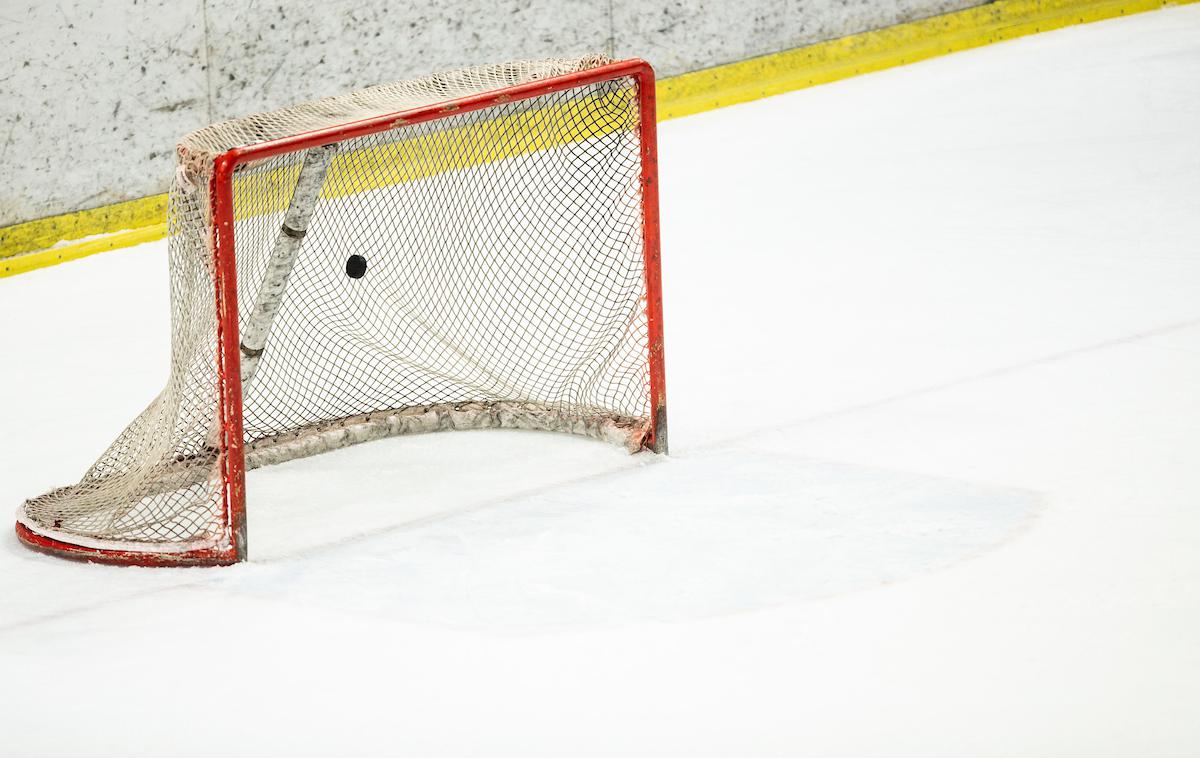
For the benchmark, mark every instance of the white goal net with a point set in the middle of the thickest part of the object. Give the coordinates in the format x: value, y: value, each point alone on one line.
x: 486, y: 267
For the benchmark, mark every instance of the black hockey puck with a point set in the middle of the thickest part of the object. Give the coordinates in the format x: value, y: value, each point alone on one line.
x: 356, y: 266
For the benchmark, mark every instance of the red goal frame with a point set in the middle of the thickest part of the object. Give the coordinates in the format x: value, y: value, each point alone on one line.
x: 232, y: 455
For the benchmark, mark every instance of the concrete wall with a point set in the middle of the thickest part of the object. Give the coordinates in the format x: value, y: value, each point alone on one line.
x: 94, y: 93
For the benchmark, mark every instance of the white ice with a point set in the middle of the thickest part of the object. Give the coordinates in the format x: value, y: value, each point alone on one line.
x: 933, y: 342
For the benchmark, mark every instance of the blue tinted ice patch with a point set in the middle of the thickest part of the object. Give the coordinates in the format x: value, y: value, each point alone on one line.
x: 683, y: 537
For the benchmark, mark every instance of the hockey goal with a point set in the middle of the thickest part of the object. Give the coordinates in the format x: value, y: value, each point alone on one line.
x: 475, y: 249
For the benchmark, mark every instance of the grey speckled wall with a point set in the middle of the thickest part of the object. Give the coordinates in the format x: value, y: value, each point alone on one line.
x: 94, y: 93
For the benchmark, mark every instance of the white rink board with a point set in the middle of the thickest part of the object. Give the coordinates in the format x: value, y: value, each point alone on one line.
x: 120, y: 81
x: 933, y: 344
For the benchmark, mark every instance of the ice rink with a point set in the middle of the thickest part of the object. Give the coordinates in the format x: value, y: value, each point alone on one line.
x: 933, y: 369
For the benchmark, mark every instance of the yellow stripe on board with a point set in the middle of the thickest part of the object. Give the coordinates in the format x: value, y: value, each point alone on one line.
x: 44, y: 232
x: 19, y: 264
x: 678, y: 96
x: 826, y: 62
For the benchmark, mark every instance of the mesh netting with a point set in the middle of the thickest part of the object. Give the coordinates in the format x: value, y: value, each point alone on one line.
x: 481, y: 270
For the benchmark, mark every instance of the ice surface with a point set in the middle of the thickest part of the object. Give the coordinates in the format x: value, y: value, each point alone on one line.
x: 933, y: 343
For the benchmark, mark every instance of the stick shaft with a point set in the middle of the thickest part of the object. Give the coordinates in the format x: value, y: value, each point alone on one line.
x: 283, y: 257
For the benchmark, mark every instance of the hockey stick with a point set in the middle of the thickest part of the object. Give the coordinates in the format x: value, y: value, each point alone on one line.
x: 283, y: 257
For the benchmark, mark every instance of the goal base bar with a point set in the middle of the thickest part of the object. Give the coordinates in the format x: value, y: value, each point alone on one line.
x: 60, y: 549
x: 632, y: 434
